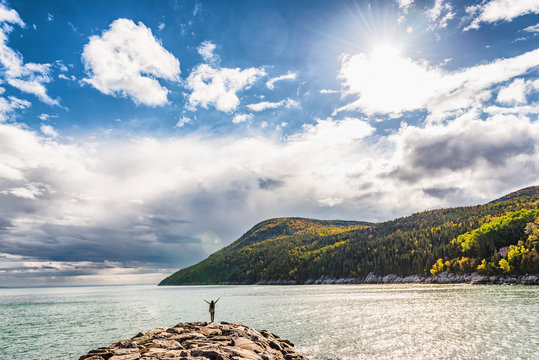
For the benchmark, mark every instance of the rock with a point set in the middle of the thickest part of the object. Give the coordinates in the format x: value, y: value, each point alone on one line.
x: 248, y: 344
x: 372, y: 279
x: 200, y: 341
x: 529, y: 280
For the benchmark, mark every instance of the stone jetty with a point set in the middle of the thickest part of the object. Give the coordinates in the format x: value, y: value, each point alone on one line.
x: 200, y: 341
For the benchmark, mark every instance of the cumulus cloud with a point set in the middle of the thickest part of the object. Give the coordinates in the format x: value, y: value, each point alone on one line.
x: 218, y: 87
x: 388, y: 83
x: 239, y: 118
x: 270, y: 84
x: 206, y: 50
x: 469, y: 144
x: 29, y: 77
x: 265, y: 105
x: 126, y: 60
x: 499, y: 10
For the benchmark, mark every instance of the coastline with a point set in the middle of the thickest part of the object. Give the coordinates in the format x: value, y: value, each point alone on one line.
x: 442, y: 278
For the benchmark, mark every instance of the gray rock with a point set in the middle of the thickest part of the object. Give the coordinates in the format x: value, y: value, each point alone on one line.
x: 200, y: 341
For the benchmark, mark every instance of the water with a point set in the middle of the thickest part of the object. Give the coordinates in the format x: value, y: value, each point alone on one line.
x: 324, y: 321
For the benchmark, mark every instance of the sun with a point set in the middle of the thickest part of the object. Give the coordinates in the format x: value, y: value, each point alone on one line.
x: 384, y: 51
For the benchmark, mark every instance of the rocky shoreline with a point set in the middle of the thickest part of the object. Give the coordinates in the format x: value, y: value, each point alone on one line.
x: 200, y: 341
x: 443, y: 278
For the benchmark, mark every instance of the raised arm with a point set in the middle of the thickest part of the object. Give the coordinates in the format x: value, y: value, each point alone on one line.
x: 206, y: 301
x: 217, y: 300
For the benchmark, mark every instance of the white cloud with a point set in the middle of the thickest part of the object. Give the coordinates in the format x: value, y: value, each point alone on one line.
x: 219, y: 86
x: 48, y: 130
x: 32, y: 191
x: 183, y: 120
x: 63, y: 77
x: 514, y: 93
x: 126, y: 60
x: 329, y: 91
x: 335, y: 132
x: 404, y: 4
x: 265, y: 105
x: 61, y: 66
x: 389, y: 83
x: 440, y: 14
x: 33, y: 84
x: 9, y: 105
x: 197, y: 8
x: 270, y: 84
x: 44, y: 117
x: 28, y: 77
x: 500, y: 10
x: 35, y: 271
x: 10, y: 16
x: 206, y: 50
x: 515, y: 109
x: 239, y: 118
x: 161, y: 26
x: 467, y: 150
x: 532, y: 28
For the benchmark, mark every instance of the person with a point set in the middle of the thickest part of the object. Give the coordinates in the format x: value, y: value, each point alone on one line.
x: 212, y: 308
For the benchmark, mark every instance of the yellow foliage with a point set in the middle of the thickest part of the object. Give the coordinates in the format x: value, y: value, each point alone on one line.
x: 504, y: 265
x: 482, y: 266
x: 438, y: 267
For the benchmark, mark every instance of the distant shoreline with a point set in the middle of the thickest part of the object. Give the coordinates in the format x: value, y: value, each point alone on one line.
x: 443, y: 278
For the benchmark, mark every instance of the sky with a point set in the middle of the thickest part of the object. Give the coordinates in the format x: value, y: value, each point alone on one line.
x: 138, y: 137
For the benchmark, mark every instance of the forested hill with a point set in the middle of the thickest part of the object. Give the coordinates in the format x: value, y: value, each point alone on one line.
x: 463, y: 239
x: 528, y: 191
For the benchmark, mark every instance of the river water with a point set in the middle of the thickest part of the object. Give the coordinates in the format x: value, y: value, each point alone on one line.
x: 323, y: 321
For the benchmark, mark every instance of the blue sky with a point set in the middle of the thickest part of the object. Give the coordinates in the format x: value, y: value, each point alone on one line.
x: 137, y: 137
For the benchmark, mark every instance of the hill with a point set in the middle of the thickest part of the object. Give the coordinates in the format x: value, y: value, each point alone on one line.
x: 528, y: 191
x: 462, y: 239
x: 263, y: 250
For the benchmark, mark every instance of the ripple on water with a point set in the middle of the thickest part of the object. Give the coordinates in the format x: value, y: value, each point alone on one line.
x: 324, y: 321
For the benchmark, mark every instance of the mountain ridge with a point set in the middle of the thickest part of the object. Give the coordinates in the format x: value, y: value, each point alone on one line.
x: 298, y: 249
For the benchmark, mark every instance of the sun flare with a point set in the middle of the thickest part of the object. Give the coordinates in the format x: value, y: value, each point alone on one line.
x: 385, y: 50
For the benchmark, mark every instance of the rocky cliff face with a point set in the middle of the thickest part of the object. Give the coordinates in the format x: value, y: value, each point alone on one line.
x: 200, y: 341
